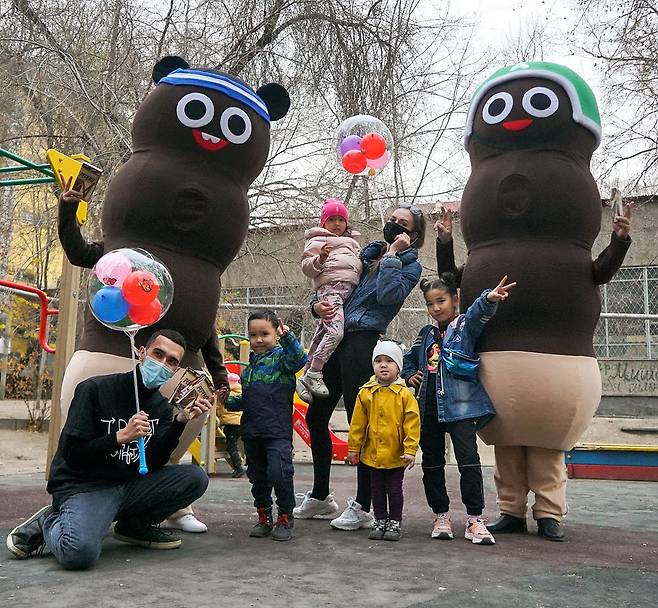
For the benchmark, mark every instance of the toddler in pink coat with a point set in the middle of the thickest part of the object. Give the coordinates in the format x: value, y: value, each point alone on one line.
x: 331, y: 260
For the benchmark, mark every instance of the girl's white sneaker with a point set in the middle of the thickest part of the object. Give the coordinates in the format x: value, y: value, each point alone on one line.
x: 477, y: 532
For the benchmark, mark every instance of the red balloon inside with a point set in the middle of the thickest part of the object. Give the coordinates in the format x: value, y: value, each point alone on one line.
x: 373, y: 145
x: 146, y: 315
x: 354, y: 161
x: 140, y: 287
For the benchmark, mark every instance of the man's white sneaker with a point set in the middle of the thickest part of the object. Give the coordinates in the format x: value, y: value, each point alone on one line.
x: 186, y: 523
x: 314, y: 382
x: 303, y: 392
x: 314, y: 508
x: 353, y: 517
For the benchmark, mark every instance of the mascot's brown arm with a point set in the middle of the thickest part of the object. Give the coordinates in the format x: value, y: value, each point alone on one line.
x: 77, y: 250
x: 215, y: 362
x: 610, y: 259
x: 445, y: 260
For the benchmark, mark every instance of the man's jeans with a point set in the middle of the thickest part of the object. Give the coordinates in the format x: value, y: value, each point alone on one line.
x: 74, y: 534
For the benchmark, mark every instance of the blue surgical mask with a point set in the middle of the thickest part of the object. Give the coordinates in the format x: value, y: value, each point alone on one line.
x: 154, y: 374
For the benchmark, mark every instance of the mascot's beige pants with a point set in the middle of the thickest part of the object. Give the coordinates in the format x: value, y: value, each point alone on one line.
x: 543, y: 405
x: 521, y: 469
x: 85, y: 364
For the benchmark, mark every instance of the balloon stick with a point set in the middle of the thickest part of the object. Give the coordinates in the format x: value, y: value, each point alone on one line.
x: 143, y: 469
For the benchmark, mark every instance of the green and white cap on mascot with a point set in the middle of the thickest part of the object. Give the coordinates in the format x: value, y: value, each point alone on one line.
x: 583, y: 101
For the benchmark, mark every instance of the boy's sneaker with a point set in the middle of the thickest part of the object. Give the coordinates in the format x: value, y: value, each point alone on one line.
x: 186, y: 523
x: 353, y: 517
x: 283, y: 527
x: 393, y: 530
x: 303, y: 392
x: 378, y: 530
x: 264, y: 525
x: 26, y: 539
x: 477, y: 532
x: 442, y: 527
x: 149, y: 537
x: 312, y: 507
x: 314, y: 382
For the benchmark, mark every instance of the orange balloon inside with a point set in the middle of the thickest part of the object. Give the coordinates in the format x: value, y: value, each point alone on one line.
x: 140, y: 287
x: 354, y: 161
x: 373, y: 145
x: 146, y: 315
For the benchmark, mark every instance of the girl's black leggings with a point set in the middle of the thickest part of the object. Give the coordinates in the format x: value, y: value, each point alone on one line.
x: 345, y: 372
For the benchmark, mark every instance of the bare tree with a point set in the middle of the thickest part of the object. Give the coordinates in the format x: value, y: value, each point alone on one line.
x: 623, y: 37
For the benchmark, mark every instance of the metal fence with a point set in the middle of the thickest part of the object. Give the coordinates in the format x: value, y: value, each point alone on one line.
x: 628, y: 328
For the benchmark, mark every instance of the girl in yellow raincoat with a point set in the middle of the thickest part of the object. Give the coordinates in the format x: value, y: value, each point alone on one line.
x: 384, y: 435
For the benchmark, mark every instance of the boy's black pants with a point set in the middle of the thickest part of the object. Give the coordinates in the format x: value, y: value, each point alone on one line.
x: 269, y: 466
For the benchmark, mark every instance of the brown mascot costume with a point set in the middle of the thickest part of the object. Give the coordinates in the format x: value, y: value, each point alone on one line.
x: 200, y: 139
x: 531, y: 210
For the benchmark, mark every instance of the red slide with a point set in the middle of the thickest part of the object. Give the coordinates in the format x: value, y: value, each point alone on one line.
x: 338, y: 445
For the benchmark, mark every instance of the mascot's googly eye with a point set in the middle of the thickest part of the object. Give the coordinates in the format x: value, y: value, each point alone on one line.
x: 540, y: 102
x: 235, y: 125
x: 497, y: 108
x: 195, y: 110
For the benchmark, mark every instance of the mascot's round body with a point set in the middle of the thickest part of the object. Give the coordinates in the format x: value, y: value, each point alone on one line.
x: 531, y: 210
x: 200, y: 139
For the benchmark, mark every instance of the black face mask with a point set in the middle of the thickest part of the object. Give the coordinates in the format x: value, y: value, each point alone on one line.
x: 392, y: 229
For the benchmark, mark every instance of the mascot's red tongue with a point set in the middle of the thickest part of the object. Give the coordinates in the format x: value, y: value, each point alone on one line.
x: 517, y: 125
x: 209, y: 142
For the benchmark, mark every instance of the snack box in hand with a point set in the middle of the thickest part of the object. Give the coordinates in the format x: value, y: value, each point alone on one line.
x: 193, y: 384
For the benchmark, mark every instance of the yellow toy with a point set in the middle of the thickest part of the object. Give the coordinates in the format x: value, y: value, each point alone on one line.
x: 75, y: 173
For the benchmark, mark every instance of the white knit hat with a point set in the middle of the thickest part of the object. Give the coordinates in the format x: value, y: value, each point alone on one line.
x: 390, y: 349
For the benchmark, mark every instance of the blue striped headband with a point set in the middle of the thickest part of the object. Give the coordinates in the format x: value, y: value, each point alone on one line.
x: 221, y: 83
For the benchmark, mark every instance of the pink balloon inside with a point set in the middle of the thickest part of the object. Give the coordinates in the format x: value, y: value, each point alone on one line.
x: 351, y: 142
x: 379, y: 163
x: 113, y: 268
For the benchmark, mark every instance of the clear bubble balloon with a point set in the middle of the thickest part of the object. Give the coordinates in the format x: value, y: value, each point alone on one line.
x: 129, y: 289
x: 364, y: 145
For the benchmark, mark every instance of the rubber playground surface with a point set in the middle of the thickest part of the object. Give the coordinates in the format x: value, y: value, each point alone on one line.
x: 609, y: 560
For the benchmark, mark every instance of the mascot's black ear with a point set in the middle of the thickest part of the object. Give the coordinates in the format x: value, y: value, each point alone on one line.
x: 166, y: 65
x: 276, y: 99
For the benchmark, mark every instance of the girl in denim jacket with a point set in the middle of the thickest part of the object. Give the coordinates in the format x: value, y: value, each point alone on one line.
x: 442, y: 367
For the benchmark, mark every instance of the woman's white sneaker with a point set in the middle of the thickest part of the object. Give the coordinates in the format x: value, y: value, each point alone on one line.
x: 353, y: 517
x: 312, y: 507
x: 186, y: 523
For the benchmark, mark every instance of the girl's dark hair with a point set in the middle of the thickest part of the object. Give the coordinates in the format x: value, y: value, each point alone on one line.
x: 445, y: 282
x: 266, y: 315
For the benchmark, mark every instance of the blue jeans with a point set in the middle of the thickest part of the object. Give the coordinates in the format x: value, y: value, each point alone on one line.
x: 74, y: 533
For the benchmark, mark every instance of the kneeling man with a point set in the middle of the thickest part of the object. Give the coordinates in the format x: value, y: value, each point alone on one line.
x: 94, y: 477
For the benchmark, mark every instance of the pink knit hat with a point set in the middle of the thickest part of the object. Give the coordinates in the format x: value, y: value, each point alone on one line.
x: 333, y: 206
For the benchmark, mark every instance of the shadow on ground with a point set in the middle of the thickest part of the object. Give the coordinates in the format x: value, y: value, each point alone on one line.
x: 609, y: 560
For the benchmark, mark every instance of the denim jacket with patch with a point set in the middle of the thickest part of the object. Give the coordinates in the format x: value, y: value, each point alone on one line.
x: 456, y: 398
